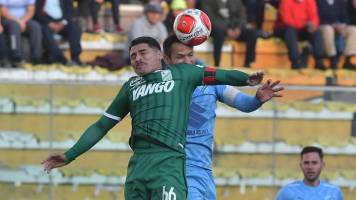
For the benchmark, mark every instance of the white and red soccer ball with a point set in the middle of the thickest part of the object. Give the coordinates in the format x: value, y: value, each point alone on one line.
x: 192, y: 27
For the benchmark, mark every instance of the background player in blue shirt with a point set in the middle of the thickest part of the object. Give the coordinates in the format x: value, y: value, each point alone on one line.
x: 310, y: 188
x: 200, y: 132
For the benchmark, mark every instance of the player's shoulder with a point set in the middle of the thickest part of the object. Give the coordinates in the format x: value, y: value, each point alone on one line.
x: 287, y: 191
x: 184, y: 66
x: 329, y: 185
x: 294, y: 184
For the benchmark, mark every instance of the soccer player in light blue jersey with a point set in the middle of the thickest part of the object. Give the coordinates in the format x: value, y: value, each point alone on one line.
x: 200, y: 132
x: 311, y: 187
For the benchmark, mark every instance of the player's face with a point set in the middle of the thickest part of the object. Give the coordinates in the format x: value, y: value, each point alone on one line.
x: 181, y: 53
x: 311, y: 165
x: 145, y: 59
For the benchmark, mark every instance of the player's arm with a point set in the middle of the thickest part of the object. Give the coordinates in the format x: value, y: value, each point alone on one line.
x: 285, y: 194
x: 340, y: 196
x: 116, y: 111
x: 246, y: 103
x: 237, y: 99
x: 215, y: 76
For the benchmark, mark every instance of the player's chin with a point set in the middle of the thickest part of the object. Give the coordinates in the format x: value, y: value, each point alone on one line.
x: 140, y: 70
x: 311, y: 176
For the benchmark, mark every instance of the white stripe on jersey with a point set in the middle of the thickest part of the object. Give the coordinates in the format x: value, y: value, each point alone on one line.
x: 112, y: 116
x: 230, y: 94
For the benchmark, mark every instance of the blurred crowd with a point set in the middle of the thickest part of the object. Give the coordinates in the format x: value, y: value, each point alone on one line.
x: 328, y: 26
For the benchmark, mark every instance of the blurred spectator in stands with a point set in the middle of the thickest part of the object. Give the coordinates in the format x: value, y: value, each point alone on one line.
x: 2, y: 44
x: 299, y: 20
x: 255, y: 16
x: 194, y: 3
x: 150, y: 24
x: 311, y: 187
x: 95, y: 6
x: 83, y: 15
x: 351, y: 5
x: 17, y: 20
x: 176, y: 7
x: 333, y: 23
x: 56, y: 17
x: 228, y: 18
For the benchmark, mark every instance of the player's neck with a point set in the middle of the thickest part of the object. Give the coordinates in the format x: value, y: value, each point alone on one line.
x: 312, y: 183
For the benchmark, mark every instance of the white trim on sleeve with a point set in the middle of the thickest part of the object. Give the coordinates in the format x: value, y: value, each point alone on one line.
x: 230, y: 94
x: 112, y: 116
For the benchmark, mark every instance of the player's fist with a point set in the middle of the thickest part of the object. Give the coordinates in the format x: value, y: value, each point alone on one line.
x: 255, y: 78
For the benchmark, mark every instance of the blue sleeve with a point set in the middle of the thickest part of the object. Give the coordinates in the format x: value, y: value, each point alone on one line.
x: 236, y: 99
x: 283, y: 194
x: 340, y: 196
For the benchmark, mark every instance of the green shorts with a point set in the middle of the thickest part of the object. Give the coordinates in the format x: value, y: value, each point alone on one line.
x: 156, y: 173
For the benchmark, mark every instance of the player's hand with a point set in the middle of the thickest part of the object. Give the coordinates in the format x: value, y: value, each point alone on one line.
x: 54, y: 161
x: 255, y: 78
x: 268, y: 90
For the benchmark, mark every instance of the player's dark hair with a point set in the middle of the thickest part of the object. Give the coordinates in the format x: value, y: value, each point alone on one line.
x: 310, y: 149
x: 168, y: 43
x: 153, y: 43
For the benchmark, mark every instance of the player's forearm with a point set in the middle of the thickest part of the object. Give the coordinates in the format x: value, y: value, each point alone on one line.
x: 246, y: 103
x: 231, y: 77
x: 89, y: 138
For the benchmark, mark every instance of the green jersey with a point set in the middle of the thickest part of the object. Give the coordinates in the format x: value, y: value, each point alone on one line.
x: 159, y: 102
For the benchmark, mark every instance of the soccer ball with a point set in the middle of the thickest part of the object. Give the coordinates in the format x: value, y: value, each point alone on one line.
x: 192, y: 27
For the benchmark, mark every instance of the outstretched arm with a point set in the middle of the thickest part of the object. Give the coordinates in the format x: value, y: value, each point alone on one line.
x: 89, y: 138
x: 115, y: 112
x: 246, y: 103
x: 214, y: 76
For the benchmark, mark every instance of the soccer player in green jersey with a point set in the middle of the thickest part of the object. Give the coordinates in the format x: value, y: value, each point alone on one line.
x: 158, y: 101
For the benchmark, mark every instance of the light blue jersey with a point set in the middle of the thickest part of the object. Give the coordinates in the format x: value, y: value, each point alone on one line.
x: 300, y: 191
x: 200, y: 135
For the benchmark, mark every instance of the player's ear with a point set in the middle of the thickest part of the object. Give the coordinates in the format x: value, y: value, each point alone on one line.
x: 166, y: 59
x: 322, y: 164
x: 160, y: 54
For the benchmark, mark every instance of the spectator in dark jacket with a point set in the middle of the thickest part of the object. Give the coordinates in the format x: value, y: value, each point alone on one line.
x: 56, y: 17
x: 333, y: 24
x: 2, y: 44
x: 228, y: 18
x: 299, y: 20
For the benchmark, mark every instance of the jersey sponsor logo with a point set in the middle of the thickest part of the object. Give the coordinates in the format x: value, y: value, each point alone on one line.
x: 137, y: 81
x: 152, y: 88
x: 168, y: 195
x: 197, y: 132
x: 166, y: 75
